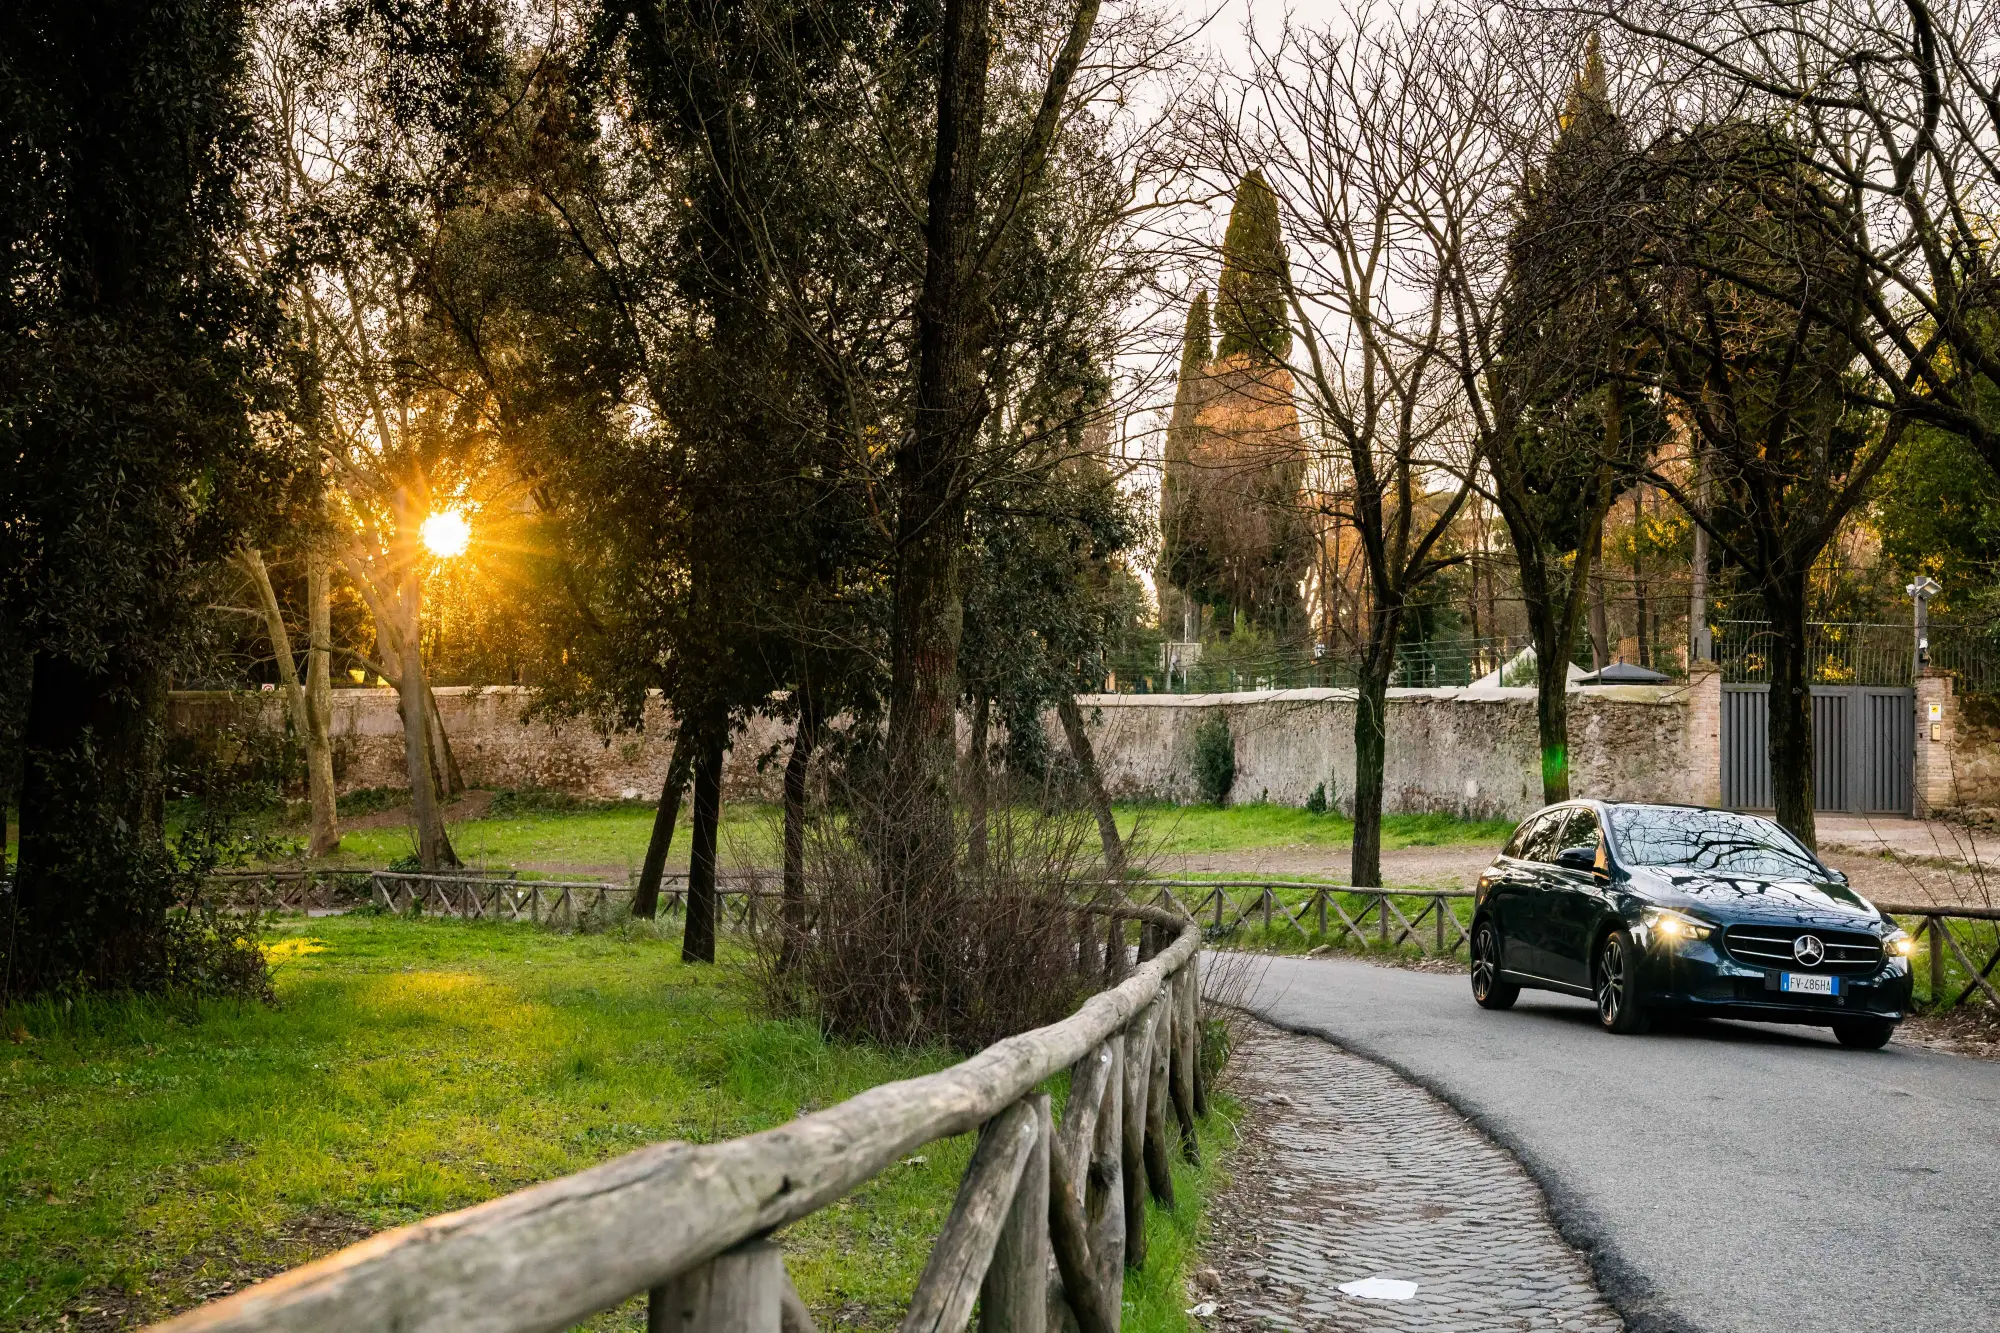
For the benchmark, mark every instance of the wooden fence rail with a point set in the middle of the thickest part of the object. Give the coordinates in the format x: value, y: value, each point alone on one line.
x: 1047, y: 1219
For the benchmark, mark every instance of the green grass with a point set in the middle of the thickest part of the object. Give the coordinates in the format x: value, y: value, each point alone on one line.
x: 1169, y: 829
x: 152, y: 1157
x: 613, y: 840
x: 590, y: 839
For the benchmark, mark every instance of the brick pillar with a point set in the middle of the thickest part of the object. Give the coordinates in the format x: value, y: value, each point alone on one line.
x: 1933, y: 786
x: 1704, y: 737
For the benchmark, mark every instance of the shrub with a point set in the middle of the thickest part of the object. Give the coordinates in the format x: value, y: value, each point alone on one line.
x: 961, y: 964
x: 1214, y: 758
x: 1316, y: 803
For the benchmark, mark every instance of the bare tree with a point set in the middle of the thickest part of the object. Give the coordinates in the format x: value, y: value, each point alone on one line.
x: 1345, y: 127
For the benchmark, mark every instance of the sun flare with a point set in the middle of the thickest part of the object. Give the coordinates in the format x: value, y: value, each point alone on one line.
x: 447, y: 533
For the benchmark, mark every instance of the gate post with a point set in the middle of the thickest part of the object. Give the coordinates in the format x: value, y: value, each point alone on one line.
x: 1704, y: 733
x: 1932, y: 787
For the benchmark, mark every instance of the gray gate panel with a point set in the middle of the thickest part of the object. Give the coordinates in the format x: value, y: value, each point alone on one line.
x: 1887, y: 731
x: 1829, y: 742
x: 1863, y: 742
x: 1746, y: 745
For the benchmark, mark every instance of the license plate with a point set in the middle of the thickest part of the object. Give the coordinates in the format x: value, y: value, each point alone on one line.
x: 1798, y: 983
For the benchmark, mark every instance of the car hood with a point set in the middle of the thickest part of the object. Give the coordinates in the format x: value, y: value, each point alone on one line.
x: 1735, y: 898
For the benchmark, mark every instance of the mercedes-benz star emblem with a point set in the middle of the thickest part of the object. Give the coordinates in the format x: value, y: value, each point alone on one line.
x: 1809, y: 950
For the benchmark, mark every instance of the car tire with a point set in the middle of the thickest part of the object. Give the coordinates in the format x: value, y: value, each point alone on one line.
x: 1488, y: 990
x: 1620, y: 1006
x: 1864, y: 1034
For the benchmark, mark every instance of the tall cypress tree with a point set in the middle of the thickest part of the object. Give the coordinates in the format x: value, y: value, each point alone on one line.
x: 1250, y: 300
x: 1196, y: 344
x: 1571, y: 427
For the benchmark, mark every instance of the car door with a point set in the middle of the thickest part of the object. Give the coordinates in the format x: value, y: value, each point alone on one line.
x: 1572, y: 900
x: 1515, y: 896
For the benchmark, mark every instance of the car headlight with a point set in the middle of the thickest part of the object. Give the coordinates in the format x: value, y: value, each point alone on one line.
x: 1674, y: 927
x: 1899, y: 944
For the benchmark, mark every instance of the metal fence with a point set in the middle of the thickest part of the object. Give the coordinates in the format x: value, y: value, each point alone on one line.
x: 1862, y: 653
x: 1837, y: 653
x: 1422, y: 664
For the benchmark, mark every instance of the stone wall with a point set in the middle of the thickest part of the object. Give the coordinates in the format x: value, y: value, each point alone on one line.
x: 494, y: 746
x: 1469, y: 752
x: 1971, y: 735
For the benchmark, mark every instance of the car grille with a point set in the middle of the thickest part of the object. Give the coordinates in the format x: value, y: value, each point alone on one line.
x: 1847, y: 952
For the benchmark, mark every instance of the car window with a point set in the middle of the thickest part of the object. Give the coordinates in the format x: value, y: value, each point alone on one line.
x: 1580, y: 830
x: 1717, y: 841
x: 1544, y: 839
x: 1521, y: 835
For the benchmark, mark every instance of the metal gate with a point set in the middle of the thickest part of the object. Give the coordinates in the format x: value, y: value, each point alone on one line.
x: 1863, y: 746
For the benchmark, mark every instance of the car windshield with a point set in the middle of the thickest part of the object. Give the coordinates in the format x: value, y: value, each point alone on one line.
x: 1715, y: 841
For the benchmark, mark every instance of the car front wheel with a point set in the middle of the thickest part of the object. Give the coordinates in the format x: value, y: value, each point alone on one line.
x: 1620, y: 1007
x: 1864, y: 1034
x: 1487, y: 988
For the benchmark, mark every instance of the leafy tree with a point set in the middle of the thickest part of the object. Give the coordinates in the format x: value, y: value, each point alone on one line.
x: 1937, y: 507
x: 1743, y: 281
x: 135, y: 347
x: 1563, y: 426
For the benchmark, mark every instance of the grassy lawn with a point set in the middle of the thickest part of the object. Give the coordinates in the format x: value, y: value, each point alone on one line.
x: 1171, y: 829
x: 153, y: 1157
x: 604, y: 839
x: 613, y: 840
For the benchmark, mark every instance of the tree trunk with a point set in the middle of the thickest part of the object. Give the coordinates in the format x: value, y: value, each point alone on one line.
x: 413, y: 693
x: 1791, y: 749
x: 804, y: 738
x: 1071, y: 714
x: 91, y: 887
x: 977, y: 782
x: 450, y: 780
x: 1555, y: 609
x: 698, y: 939
x: 251, y: 560
x: 1600, y: 620
x: 325, y: 814
x: 1639, y: 576
x: 646, y: 895
x: 931, y: 475
x: 1371, y: 719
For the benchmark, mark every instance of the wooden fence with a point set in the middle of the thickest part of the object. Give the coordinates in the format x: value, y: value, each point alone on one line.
x: 470, y: 895
x: 1047, y: 1218
x: 1940, y: 940
x: 1224, y: 907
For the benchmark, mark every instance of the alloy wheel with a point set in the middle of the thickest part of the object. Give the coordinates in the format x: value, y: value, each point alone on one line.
x: 1611, y: 983
x: 1488, y: 990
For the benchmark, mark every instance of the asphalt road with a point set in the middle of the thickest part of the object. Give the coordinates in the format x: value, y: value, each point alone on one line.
x: 1730, y: 1177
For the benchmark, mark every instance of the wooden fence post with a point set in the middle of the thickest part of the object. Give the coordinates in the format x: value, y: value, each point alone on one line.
x: 1382, y: 916
x: 1438, y: 905
x: 1319, y: 900
x: 1159, y: 1167
x: 1935, y: 926
x: 1132, y: 1120
x: 1014, y: 1296
x: 739, y: 1291
x: 1180, y: 1074
x: 1104, y: 1209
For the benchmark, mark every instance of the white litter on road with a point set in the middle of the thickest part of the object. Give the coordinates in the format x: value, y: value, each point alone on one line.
x: 1204, y: 1310
x: 1379, y: 1289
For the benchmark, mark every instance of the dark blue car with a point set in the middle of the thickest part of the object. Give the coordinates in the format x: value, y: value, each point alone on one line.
x: 1670, y: 909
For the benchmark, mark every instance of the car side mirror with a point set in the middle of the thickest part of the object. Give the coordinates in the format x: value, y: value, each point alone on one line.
x: 1578, y: 858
